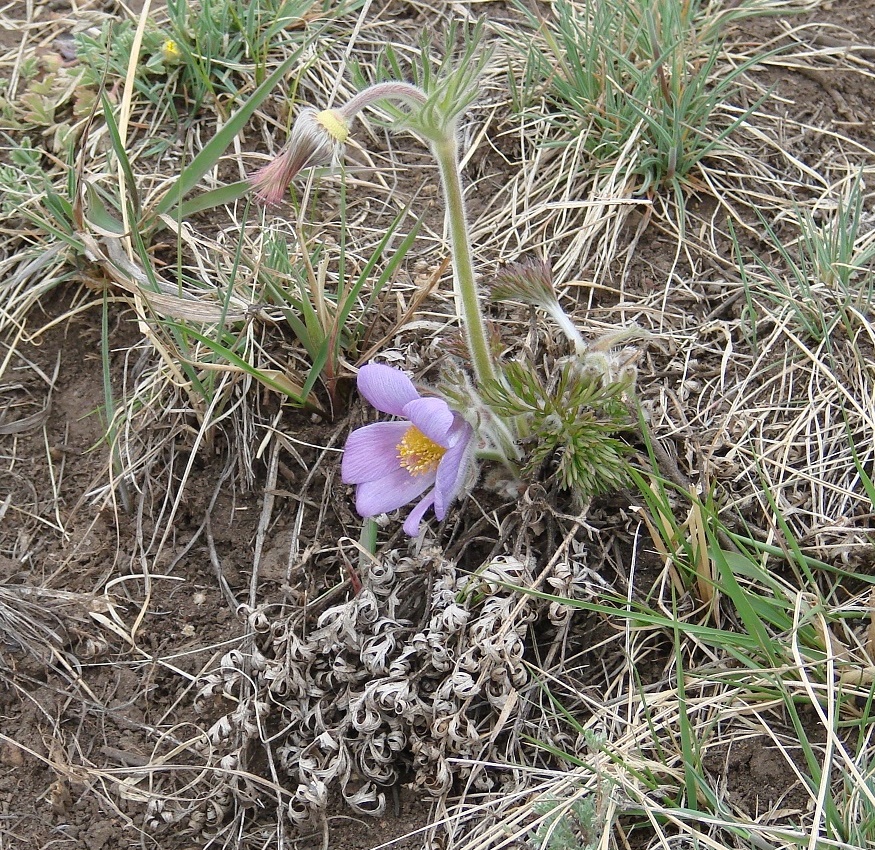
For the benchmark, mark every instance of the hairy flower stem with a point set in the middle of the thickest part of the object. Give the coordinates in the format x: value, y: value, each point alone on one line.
x: 380, y: 91
x: 568, y: 327
x: 446, y: 153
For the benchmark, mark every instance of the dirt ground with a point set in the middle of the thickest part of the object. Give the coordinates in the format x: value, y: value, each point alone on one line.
x: 132, y: 637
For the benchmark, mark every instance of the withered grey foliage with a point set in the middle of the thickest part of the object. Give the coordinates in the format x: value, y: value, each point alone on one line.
x: 409, y: 675
x: 571, y: 578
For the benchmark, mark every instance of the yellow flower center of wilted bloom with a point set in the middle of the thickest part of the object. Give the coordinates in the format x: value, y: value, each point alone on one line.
x: 417, y: 453
x: 334, y: 125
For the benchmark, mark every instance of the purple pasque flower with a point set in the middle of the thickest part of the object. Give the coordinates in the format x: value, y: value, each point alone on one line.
x: 393, y: 463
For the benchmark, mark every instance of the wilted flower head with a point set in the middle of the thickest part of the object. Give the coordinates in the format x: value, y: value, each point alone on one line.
x: 532, y: 283
x: 393, y: 463
x: 316, y: 139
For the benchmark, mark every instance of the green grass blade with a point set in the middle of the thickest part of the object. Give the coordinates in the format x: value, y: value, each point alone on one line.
x: 109, y: 404
x: 865, y: 478
x: 213, y: 198
x: 286, y: 386
x: 122, y: 155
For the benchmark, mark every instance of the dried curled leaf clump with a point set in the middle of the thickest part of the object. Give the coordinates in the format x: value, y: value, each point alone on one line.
x: 415, y: 670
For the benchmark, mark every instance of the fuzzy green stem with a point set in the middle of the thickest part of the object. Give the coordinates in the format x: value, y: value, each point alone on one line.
x: 446, y: 153
x: 368, y: 541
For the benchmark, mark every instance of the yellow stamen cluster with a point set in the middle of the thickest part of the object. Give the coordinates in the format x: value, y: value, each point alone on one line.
x: 334, y: 124
x: 417, y: 453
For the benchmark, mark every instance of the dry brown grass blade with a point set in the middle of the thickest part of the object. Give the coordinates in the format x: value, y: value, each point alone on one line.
x: 133, y: 278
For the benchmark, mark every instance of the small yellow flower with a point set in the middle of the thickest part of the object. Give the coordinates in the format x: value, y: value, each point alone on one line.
x: 170, y: 51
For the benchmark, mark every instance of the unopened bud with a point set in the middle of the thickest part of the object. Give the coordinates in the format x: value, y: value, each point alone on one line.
x: 532, y: 283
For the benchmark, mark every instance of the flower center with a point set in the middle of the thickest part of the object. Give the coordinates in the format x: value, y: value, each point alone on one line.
x: 417, y: 453
x: 334, y: 124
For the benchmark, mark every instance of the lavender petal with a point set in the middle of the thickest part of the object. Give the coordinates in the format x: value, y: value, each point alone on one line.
x: 414, y: 518
x: 390, y: 492
x: 372, y: 452
x: 432, y: 417
x: 387, y: 389
x: 453, y: 469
